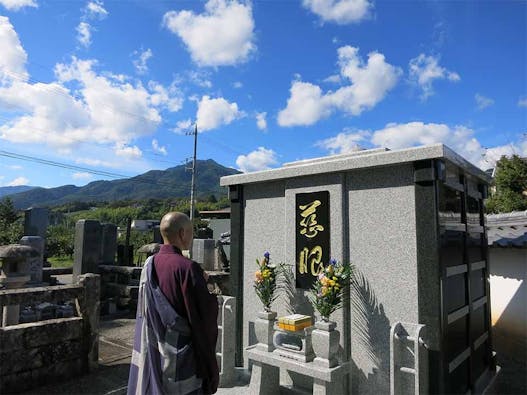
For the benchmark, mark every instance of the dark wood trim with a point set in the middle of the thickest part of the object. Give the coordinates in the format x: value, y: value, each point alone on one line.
x: 236, y: 263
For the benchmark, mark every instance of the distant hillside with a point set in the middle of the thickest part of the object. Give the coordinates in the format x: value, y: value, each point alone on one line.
x: 159, y: 184
x: 4, y: 191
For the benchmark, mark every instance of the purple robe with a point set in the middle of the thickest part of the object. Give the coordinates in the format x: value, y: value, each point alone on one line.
x: 173, y: 346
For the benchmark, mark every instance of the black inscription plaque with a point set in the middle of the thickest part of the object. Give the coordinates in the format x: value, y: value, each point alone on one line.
x: 312, y: 236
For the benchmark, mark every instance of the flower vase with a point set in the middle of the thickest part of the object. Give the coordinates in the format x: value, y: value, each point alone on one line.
x: 264, y: 330
x: 325, y: 341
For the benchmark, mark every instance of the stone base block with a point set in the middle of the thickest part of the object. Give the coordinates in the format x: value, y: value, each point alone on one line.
x: 265, y: 379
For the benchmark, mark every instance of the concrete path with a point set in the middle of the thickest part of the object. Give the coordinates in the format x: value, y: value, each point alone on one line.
x: 111, y: 378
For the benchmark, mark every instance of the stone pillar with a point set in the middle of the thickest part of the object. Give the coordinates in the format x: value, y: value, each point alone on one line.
x: 265, y: 379
x: 36, y: 263
x: 90, y: 310
x: 226, y: 340
x: 87, y: 247
x: 203, y: 252
x: 157, y: 235
x: 108, y: 244
x: 36, y: 221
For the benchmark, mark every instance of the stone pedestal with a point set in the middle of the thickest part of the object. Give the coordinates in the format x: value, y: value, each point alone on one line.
x: 264, y: 330
x: 321, y: 387
x: 35, y: 263
x: 87, y: 247
x: 108, y: 244
x: 13, y: 274
x: 203, y: 252
x: 325, y: 341
x: 265, y: 379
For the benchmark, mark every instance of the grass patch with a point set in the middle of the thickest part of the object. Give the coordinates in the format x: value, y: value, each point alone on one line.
x: 61, y: 261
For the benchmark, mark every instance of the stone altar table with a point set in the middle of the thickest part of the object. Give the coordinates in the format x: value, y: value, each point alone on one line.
x: 265, y: 376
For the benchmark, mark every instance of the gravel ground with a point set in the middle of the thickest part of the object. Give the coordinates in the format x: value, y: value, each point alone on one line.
x: 512, y: 358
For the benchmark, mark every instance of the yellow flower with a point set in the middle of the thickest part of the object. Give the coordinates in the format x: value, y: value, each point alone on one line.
x: 258, y: 276
x: 266, y: 273
x: 324, y: 291
x: 332, y: 283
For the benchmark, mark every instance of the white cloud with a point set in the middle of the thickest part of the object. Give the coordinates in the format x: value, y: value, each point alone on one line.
x: 260, y: 159
x: 169, y: 98
x: 522, y: 102
x: 182, y: 126
x: 460, y: 138
x: 237, y: 85
x: 261, y: 122
x: 17, y: 182
x: 483, y: 102
x: 96, y: 162
x: 84, y: 34
x: 212, y: 113
x: 398, y: 136
x: 128, y: 152
x: 369, y: 84
x: 199, y: 78
x: 15, y: 167
x: 424, y: 70
x: 344, y: 142
x: 340, y: 11
x: 15, y: 5
x: 140, y: 62
x: 82, y: 107
x: 82, y: 176
x: 14, y: 58
x: 333, y: 79
x: 221, y: 36
x: 158, y: 148
x: 95, y: 10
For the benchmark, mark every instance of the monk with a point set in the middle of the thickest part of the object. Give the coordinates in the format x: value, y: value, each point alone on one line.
x: 176, y: 326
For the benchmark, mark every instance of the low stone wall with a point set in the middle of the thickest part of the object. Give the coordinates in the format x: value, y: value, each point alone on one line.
x: 49, y: 273
x: 32, y: 354
x: 120, y: 286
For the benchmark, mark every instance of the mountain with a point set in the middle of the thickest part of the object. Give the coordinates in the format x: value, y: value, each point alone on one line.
x: 4, y: 191
x: 160, y: 184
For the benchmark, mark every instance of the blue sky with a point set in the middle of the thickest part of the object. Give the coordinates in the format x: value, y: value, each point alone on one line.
x: 113, y: 85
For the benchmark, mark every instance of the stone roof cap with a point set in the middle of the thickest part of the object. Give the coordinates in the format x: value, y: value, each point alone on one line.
x: 356, y: 160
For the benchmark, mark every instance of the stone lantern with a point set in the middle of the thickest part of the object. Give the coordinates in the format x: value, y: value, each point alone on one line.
x: 14, y: 273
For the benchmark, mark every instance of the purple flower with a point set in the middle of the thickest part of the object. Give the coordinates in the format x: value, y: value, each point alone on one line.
x: 332, y: 261
x: 266, y: 254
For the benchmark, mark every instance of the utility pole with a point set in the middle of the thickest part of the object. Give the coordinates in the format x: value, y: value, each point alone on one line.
x: 193, y: 182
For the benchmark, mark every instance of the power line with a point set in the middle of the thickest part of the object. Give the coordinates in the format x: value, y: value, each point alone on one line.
x: 84, y: 169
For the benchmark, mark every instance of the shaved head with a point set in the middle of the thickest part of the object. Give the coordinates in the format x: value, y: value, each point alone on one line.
x: 173, y: 227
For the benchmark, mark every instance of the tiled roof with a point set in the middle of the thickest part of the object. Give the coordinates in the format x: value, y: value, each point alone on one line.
x: 507, y: 230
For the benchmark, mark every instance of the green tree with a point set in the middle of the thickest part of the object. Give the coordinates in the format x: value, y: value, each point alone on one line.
x: 60, y: 241
x: 8, y: 213
x: 511, y: 186
x: 11, y: 227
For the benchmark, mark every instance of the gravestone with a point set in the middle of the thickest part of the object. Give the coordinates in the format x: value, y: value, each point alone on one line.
x: 36, y: 263
x: 157, y: 235
x: 411, y: 223
x: 108, y: 244
x: 203, y: 252
x: 36, y: 221
x: 87, y: 248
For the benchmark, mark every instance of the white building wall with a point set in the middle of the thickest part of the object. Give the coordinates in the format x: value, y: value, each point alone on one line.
x: 508, y: 289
